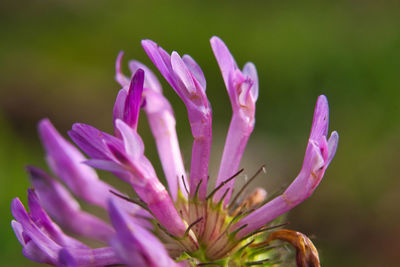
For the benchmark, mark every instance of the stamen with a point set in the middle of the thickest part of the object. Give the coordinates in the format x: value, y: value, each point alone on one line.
x: 252, y: 200
x: 223, y: 183
x: 261, y: 230
x: 273, y: 195
x: 196, y: 193
x: 134, y: 201
x: 225, y: 231
x: 167, y: 233
x: 259, y: 250
x: 233, y: 234
x: 262, y: 168
x: 192, y: 224
x: 277, y: 226
x: 242, y: 213
x: 215, y: 263
x: 260, y: 262
x: 245, y: 246
x: 181, y: 240
x: 223, y: 197
x: 184, y: 184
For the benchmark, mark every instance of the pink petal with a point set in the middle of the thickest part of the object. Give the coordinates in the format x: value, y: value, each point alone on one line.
x: 224, y: 58
x: 119, y: 76
x: 195, y: 70
x: 150, y: 80
x: 183, y: 74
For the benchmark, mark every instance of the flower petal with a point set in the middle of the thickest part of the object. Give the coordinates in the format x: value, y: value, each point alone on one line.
x: 65, y: 209
x: 66, y: 162
x: 162, y: 125
x: 44, y: 243
x: 242, y: 88
x: 318, y: 155
x: 133, y: 144
x: 224, y: 58
x: 17, y: 228
x: 332, y: 146
x: 133, y: 99
x: 119, y: 107
x: 150, y: 80
x: 321, y: 119
x: 160, y: 59
x: 134, y: 244
x: 195, y: 70
x: 66, y: 259
x: 183, y: 74
x: 92, y: 141
x: 250, y: 71
x: 119, y: 76
x: 185, y: 84
x: 88, y: 257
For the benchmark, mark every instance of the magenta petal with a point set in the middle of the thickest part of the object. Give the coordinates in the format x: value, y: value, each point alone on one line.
x: 66, y: 162
x: 17, y: 228
x: 162, y: 124
x: 242, y: 88
x: 44, y: 243
x: 40, y: 218
x: 92, y: 141
x: 307, y: 180
x: 160, y: 59
x: 321, y: 119
x: 250, y: 71
x: 145, y: 181
x: 332, y: 146
x: 88, y: 257
x: 195, y: 69
x: 32, y: 252
x: 161, y: 205
x: 188, y: 86
x: 135, y: 245
x: 133, y: 100
x: 224, y: 58
x: 65, y: 209
x: 133, y: 144
x: 110, y: 166
x: 66, y: 259
x: 318, y: 155
x: 300, y: 189
x: 157, y: 226
x: 119, y: 107
x: 183, y: 74
x: 235, y: 144
x: 119, y: 76
x: 150, y: 80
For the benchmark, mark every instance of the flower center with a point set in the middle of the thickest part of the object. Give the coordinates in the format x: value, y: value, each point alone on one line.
x: 210, y: 238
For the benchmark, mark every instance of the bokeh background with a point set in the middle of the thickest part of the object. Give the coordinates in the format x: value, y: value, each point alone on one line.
x: 57, y: 61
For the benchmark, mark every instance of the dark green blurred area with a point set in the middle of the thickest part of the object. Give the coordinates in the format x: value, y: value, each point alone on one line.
x: 57, y: 61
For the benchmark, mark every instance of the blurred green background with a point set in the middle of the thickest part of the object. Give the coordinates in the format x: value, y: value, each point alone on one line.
x: 57, y: 61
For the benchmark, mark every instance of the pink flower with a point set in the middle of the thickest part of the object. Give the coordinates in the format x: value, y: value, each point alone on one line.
x: 183, y: 224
